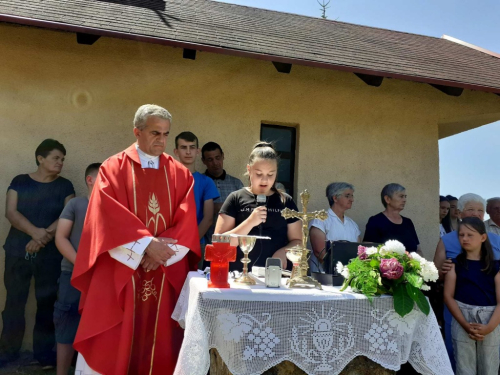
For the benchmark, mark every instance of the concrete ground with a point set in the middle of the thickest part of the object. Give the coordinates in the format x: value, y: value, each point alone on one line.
x: 26, y: 365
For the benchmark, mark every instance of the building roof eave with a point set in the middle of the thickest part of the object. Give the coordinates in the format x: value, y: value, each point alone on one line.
x: 236, y: 52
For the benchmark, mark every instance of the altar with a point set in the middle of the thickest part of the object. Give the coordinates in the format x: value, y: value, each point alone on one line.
x: 255, y: 328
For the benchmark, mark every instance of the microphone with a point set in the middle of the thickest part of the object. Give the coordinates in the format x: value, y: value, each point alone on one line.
x: 261, y: 201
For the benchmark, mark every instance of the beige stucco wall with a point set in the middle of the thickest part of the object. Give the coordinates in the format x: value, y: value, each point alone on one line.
x: 85, y: 97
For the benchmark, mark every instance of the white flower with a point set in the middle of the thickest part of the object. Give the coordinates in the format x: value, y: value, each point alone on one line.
x: 340, y: 267
x: 417, y: 257
x: 344, y: 271
x: 393, y: 246
x: 371, y: 250
x: 428, y: 271
x: 383, y: 251
x: 425, y: 287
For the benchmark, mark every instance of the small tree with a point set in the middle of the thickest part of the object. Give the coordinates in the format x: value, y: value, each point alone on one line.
x: 324, y: 6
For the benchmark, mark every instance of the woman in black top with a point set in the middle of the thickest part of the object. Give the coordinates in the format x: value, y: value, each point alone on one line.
x: 241, y: 215
x: 389, y: 224
x: 34, y: 203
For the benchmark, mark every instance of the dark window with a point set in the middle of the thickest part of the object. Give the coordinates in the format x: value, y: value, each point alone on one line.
x: 284, y: 139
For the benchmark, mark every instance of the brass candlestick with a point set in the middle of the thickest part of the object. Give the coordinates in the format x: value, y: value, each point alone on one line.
x: 299, y: 278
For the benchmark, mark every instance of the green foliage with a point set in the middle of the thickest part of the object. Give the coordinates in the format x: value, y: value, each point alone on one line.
x: 415, y: 280
x: 417, y: 296
x: 364, y: 276
x: 403, y: 303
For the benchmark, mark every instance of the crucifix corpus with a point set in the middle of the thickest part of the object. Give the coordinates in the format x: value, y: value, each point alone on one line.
x: 299, y: 254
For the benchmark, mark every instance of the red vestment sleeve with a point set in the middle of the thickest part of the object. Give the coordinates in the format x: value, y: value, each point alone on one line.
x: 109, y: 223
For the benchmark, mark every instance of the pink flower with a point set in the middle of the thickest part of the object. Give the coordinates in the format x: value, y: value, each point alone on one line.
x: 362, y: 252
x: 391, y: 268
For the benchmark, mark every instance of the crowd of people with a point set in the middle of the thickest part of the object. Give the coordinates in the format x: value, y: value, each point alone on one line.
x: 147, y: 220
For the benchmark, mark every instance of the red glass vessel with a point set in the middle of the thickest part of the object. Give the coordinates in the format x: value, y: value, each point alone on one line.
x: 219, y: 254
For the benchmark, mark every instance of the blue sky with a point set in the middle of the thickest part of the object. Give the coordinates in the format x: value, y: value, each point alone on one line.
x: 469, y: 162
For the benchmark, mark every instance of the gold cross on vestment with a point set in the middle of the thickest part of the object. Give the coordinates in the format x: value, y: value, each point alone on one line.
x: 130, y: 256
x: 304, y: 216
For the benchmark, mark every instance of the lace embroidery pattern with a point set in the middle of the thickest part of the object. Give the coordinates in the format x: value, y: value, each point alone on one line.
x: 319, y: 336
x: 261, y: 337
x: 324, y: 329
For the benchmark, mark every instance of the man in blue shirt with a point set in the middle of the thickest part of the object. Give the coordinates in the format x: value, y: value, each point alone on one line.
x: 205, y: 191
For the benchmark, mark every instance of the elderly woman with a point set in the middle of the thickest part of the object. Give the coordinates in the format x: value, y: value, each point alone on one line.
x: 337, y: 226
x: 469, y: 205
x: 389, y: 224
x: 34, y: 203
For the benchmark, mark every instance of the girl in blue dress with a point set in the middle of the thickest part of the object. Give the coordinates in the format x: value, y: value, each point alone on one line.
x: 471, y: 292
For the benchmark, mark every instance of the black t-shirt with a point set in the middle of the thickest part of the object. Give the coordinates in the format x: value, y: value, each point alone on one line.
x: 380, y: 229
x: 41, y: 203
x: 240, y: 204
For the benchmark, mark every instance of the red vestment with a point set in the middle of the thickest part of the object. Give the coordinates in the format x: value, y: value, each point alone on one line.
x: 126, y: 325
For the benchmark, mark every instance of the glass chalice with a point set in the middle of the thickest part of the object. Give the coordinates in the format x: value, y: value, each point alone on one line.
x: 294, y: 255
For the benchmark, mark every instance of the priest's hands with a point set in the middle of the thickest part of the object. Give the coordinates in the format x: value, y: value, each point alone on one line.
x: 148, y: 264
x: 158, y: 252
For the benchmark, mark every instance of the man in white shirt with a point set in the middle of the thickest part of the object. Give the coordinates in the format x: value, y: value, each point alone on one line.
x: 493, y: 209
x: 337, y: 227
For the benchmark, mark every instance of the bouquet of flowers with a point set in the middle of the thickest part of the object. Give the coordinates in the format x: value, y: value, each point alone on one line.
x: 390, y: 269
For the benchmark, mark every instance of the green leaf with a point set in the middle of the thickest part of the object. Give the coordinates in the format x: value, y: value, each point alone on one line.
x: 419, y: 298
x: 374, y: 263
x: 414, y: 280
x: 403, y: 303
x: 345, y: 285
x: 411, y: 290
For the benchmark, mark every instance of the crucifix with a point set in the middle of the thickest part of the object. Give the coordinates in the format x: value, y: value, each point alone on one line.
x: 304, y: 216
x: 300, y: 278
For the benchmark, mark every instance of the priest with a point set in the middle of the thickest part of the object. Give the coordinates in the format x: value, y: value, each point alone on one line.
x: 139, y: 241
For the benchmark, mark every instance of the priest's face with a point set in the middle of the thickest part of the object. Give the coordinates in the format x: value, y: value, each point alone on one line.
x: 153, y: 138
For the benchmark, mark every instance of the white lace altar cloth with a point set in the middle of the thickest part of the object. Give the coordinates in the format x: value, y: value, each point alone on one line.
x: 256, y: 328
